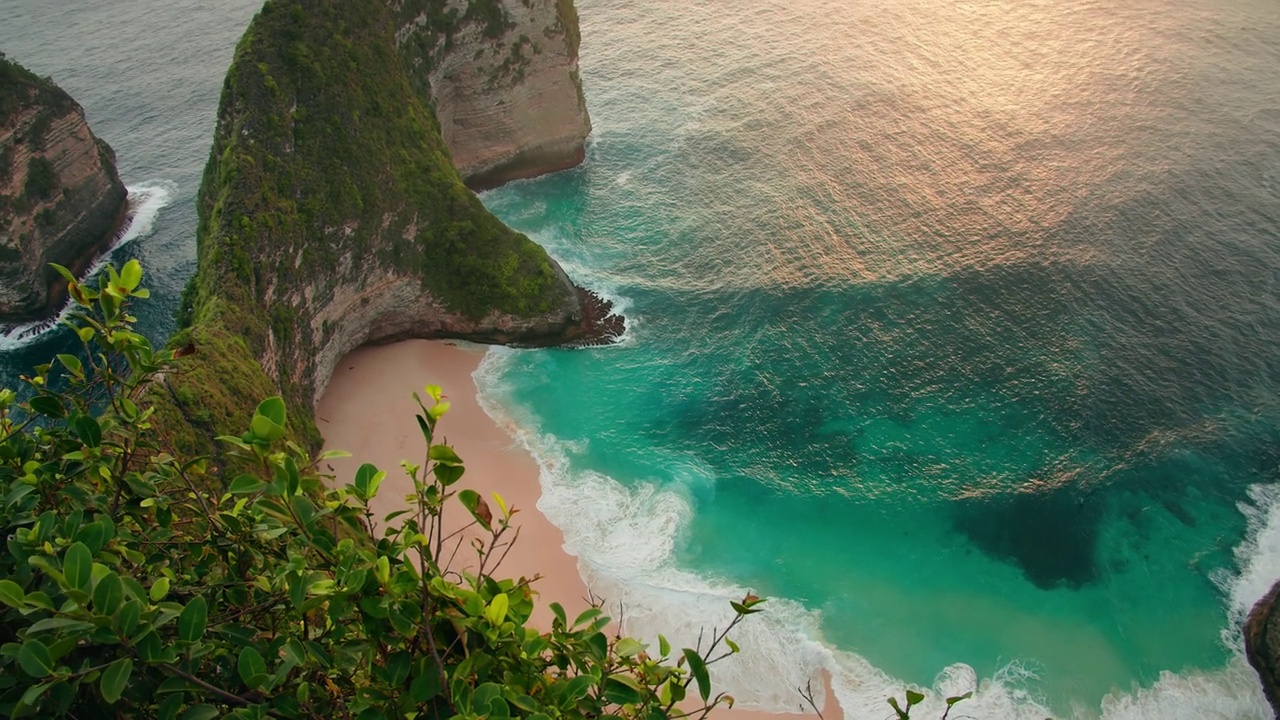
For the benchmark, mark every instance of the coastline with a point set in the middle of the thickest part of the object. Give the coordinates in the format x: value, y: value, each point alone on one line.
x: 368, y: 410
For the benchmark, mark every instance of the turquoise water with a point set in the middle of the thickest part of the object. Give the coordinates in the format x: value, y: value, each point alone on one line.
x: 953, y: 327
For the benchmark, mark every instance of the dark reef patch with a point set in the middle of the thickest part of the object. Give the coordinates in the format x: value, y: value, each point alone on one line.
x: 1052, y: 536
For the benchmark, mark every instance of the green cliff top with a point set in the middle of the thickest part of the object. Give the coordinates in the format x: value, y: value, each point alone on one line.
x: 19, y: 86
x: 327, y: 169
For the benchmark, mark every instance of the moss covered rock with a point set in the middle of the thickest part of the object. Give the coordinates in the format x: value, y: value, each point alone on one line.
x: 331, y: 217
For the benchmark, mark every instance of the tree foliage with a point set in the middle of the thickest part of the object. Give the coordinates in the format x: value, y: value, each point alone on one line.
x: 139, y: 582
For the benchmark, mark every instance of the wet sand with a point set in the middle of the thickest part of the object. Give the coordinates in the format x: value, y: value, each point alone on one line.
x: 368, y: 410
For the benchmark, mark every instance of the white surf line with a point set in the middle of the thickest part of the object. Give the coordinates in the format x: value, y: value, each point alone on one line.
x: 145, y: 203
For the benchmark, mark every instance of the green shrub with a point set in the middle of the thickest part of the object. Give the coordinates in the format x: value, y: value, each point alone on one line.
x: 141, y: 582
x: 42, y: 179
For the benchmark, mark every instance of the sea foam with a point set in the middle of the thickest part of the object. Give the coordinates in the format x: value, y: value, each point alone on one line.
x: 145, y: 203
x: 625, y: 539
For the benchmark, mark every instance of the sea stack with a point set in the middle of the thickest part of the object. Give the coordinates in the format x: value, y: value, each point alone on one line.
x: 331, y: 218
x: 1262, y: 645
x: 502, y: 76
x: 61, y: 199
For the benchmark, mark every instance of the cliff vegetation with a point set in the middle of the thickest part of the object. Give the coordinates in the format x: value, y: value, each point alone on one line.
x: 140, y: 581
x: 331, y: 217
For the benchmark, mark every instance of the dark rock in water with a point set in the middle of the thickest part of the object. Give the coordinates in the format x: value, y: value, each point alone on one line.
x: 600, y: 325
x: 61, y: 200
x: 1262, y: 645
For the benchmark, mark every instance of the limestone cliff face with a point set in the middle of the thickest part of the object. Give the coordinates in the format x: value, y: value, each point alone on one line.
x: 331, y: 217
x: 60, y: 196
x: 503, y: 78
x: 1262, y: 645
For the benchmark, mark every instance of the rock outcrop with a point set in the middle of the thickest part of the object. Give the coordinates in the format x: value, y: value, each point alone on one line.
x: 503, y: 78
x: 331, y: 218
x: 61, y: 200
x: 1262, y: 645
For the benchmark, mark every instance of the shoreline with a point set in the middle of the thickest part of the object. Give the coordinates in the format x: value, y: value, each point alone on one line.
x: 368, y: 410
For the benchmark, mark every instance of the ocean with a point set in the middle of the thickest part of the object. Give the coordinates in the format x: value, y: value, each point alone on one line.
x: 953, y: 328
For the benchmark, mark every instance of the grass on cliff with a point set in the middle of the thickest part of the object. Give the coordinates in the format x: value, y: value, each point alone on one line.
x: 20, y: 88
x: 327, y: 166
x: 323, y: 151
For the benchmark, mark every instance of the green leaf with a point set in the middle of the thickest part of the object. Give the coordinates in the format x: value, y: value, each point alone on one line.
x: 957, y: 698
x: 448, y: 474
x: 368, y: 478
x: 65, y: 273
x: 47, y: 405
x: 272, y: 409
x: 699, y: 669
x: 629, y: 647
x: 159, y: 589
x: 577, y: 688
x: 245, y: 484
x: 191, y: 622
x: 77, y: 566
x: 619, y: 692
x: 94, y: 535
x: 89, y: 431
x: 131, y: 274
x: 252, y: 668
x: 587, y: 616
x: 497, y: 610
x: 914, y: 698
x: 34, y: 659
x: 72, y: 364
x: 108, y: 594
x: 476, y: 505
x: 66, y: 624
x: 200, y: 712
x: 130, y: 616
x: 11, y: 593
x: 114, y: 679
x: 33, y: 694
x: 426, y: 685
x: 444, y: 455
x: 263, y: 429
x: 664, y: 646
x: 293, y: 652
x: 269, y: 420
x: 168, y: 709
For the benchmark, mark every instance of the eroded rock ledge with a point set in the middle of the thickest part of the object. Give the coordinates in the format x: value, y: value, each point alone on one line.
x: 61, y: 199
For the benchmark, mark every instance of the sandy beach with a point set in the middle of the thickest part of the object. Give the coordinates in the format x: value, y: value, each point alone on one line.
x: 368, y: 410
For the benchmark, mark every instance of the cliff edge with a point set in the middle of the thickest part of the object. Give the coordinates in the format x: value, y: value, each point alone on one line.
x: 61, y: 199
x: 1262, y: 645
x: 331, y: 217
x: 503, y: 78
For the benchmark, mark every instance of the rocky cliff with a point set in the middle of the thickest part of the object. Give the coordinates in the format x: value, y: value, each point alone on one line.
x: 1262, y: 645
x: 331, y: 217
x: 502, y: 76
x: 60, y: 197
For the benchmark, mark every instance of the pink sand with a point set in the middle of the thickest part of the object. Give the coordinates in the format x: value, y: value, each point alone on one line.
x: 368, y: 410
